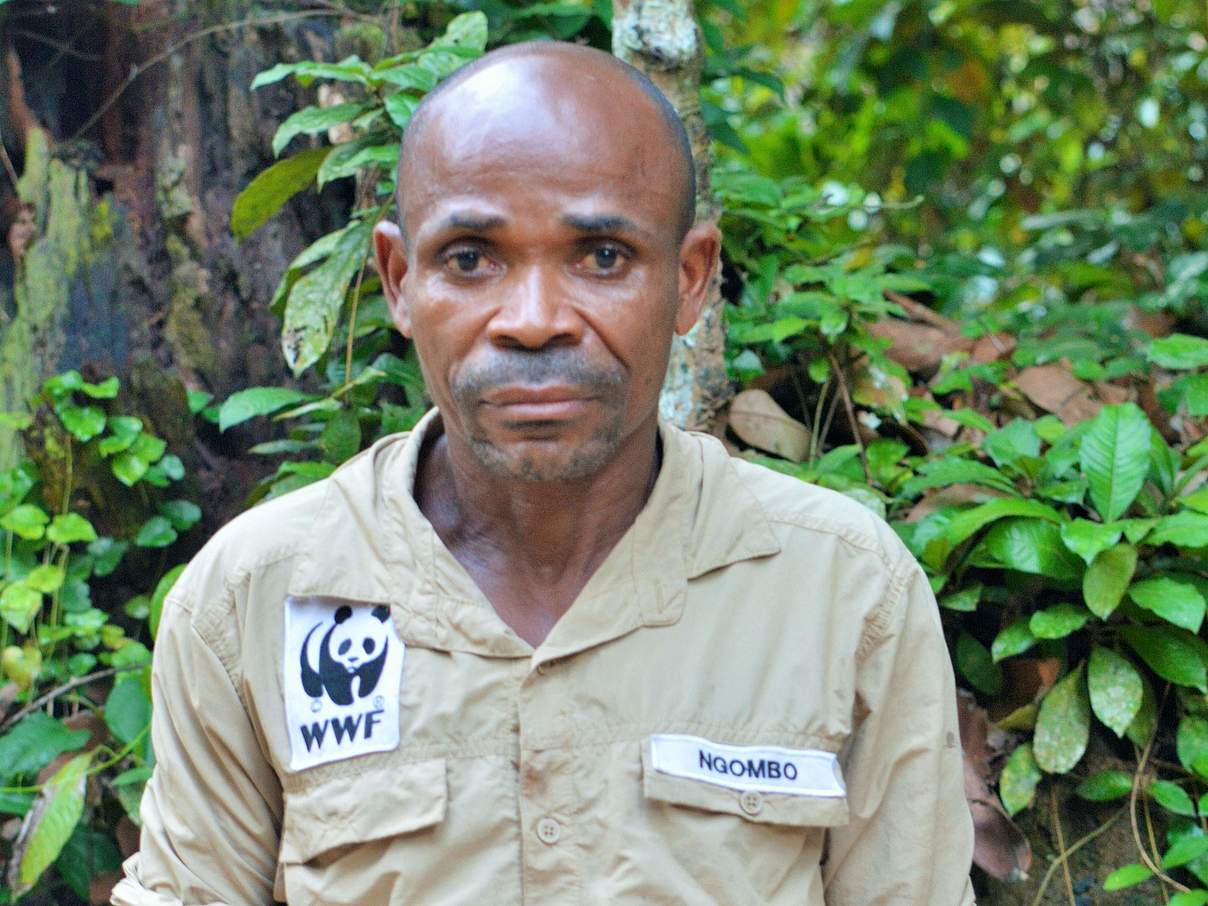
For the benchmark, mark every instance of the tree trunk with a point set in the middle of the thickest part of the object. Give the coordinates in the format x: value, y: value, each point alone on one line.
x: 661, y: 38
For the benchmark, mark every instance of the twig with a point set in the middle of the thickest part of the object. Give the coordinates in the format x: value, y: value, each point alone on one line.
x: 139, y: 68
x: 1061, y: 852
x: 1132, y: 808
x: 920, y: 312
x: 66, y: 687
x: 8, y: 164
x: 851, y: 414
x: 1063, y: 858
x: 58, y: 45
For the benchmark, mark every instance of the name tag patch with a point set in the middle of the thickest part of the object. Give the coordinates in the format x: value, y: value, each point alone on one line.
x: 343, y: 668
x: 767, y: 769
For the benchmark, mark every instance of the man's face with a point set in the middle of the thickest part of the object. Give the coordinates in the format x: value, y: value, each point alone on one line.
x: 543, y: 275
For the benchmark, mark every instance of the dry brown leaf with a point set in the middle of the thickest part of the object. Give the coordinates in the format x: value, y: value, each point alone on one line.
x: 918, y: 347
x: 127, y: 836
x: 758, y: 421
x: 1154, y: 323
x: 100, y: 887
x: 992, y: 347
x: 1054, y: 389
x: 1114, y: 393
x: 873, y: 387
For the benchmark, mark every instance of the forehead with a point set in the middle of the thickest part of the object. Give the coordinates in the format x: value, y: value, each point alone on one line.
x: 525, y: 135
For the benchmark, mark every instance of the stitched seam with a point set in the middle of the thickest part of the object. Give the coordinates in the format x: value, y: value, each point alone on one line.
x: 876, y: 626
x: 856, y: 539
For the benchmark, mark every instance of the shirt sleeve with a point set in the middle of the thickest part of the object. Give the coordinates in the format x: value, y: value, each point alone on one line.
x: 212, y: 808
x: 910, y: 836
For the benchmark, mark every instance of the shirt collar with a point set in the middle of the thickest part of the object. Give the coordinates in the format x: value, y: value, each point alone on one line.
x: 371, y: 542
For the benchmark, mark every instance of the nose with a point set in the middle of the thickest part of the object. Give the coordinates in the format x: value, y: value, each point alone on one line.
x: 534, y: 312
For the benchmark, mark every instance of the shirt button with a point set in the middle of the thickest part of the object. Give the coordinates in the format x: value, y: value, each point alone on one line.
x: 751, y: 802
x: 548, y: 831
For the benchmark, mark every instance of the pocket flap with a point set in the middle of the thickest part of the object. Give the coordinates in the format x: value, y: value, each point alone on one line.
x: 370, y: 805
x: 756, y: 804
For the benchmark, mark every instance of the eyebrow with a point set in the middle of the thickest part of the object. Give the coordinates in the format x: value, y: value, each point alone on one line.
x: 472, y: 222
x: 602, y: 223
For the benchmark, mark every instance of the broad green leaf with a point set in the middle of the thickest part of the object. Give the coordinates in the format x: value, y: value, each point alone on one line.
x: 1197, y: 500
x: 1017, y: 784
x: 1189, y: 897
x: 1163, y: 463
x: 314, y: 303
x: 965, y: 600
x: 310, y: 120
x: 1126, y: 876
x: 106, y: 554
x: 1135, y: 530
x: 1143, y: 724
x: 21, y: 665
x: 272, y: 188
x: 247, y: 404
x: 128, y: 467
x: 47, y: 578
x: 1107, y: 578
x: 69, y: 528
x: 1172, y: 797
x: 127, y: 709
x: 1062, y: 725
x: 409, y: 76
x: 87, y: 853
x: 19, y: 604
x: 1115, y: 457
x: 1176, y: 602
x: 940, y: 473
x: 1115, y: 688
x: 159, y: 595
x: 1058, y: 621
x: 27, y: 521
x: 1183, y: 529
x: 1179, y: 351
x: 172, y: 467
x: 82, y: 422
x: 148, y: 447
x: 976, y: 665
x: 1191, y: 740
x: 155, y: 532
x: 1012, y: 443
x: 1030, y: 546
x: 183, y: 514
x: 1014, y: 639
x: 969, y: 522
x: 350, y: 69
x: 349, y: 157
x: 33, y: 743
x: 1087, y: 539
x: 15, y: 803
x: 48, y: 824
x: 1169, y: 653
x: 1105, y: 786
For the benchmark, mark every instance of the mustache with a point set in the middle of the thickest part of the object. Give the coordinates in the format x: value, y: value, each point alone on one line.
x: 557, y: 365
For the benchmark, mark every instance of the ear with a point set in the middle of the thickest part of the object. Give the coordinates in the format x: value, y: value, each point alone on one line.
x: 343, y: 613
x: 381, y: 612
x: 697, y: 263
x: 390, y: 256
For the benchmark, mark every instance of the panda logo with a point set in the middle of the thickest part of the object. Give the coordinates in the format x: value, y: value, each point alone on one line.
x: 352, y: 651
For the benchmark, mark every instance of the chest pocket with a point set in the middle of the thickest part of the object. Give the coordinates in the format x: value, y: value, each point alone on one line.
x: 372, y: 805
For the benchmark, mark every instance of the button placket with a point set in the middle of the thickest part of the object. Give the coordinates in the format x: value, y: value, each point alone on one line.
x: 549, y: 831
x: 751, y: 802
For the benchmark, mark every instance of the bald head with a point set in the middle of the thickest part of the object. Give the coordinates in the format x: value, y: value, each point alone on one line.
x: 583, y: 94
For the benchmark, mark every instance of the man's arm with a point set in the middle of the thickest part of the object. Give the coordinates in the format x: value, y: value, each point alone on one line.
x: 910, y: 838
x: 212, y: 809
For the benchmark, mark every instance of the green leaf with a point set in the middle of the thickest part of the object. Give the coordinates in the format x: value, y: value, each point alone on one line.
x: 1058, y: 621
x: 1172, y: 797
x: 69, y: 528
x: 128, y: 468
x: 1115, y: 457
x: 1189, y: 897
x: 1179, y: 351
x: 49, y: 823
x: 1191, y: 740
x: 350, y: 69
x: 1087, y: 539
x: 1062, y: 725
x: 1013, y: 443
x: 1183, y: 529
x: 82, y: 422
x: 87, y: 853
x: 127, y: 709
x: 1176, y: 602
x: 183, y: 514
x: 155, y: 532
x: 1126, y: 876
x: 1030, y: 546
x: 341, y: 437
x: 310, y: 120
x: 162, y: 588
x: 148, y: 447
x: 105, y: 390
x: 33, y: 743
x: 1015, y: 639
x: 965, y: 600
x: 47, y: 578
x: 314, y: 303
x: 1020, y: 775
x: 1143, y: 724
x: 1107, y: 578
x: 19, y: 604
x: 347, y: 158
x: 1197, y: 500
x: 15, y: 803
x: 409, y: 76
x: 1105, y: 786
x: 1169, y: 653
x: 26, y: 521
x: 106, y: 554
x: 272, y: 188
x: 940, y: 473
x: 172, y: 467
x: 969, y: 522
x: 247, y: 404
x: 975, y: 663
x: 1115, y: 688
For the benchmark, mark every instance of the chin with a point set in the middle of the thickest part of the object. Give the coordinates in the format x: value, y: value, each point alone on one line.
x: 537, y: 461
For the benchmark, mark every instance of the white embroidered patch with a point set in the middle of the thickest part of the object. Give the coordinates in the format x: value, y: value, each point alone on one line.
x: 767, y: 769
x: 343, y: 668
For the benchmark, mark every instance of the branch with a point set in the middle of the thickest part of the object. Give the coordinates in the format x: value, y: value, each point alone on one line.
x: 66, y: 687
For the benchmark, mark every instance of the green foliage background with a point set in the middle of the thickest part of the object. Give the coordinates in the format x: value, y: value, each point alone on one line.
x: 1032, y: 171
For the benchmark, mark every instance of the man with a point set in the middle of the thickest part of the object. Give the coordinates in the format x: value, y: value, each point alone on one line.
x: 544, y: 649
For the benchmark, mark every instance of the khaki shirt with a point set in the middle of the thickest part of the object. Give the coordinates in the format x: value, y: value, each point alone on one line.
x: 748, y: 627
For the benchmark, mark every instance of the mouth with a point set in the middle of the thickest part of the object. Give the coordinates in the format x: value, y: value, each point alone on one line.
x: 553, y: 403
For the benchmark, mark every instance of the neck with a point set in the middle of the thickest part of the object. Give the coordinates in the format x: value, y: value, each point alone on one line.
x: 526, y: 541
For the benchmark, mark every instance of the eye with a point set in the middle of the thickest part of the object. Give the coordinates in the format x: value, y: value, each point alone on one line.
x: 604, y: 258
x: 344, y: 646
x: 463, y: 261
x: 368, y: 645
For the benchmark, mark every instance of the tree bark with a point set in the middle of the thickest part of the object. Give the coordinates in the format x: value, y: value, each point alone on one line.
x: 661, y: 38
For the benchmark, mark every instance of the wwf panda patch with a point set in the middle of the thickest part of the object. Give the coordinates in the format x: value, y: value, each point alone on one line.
x: 343, y: 667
